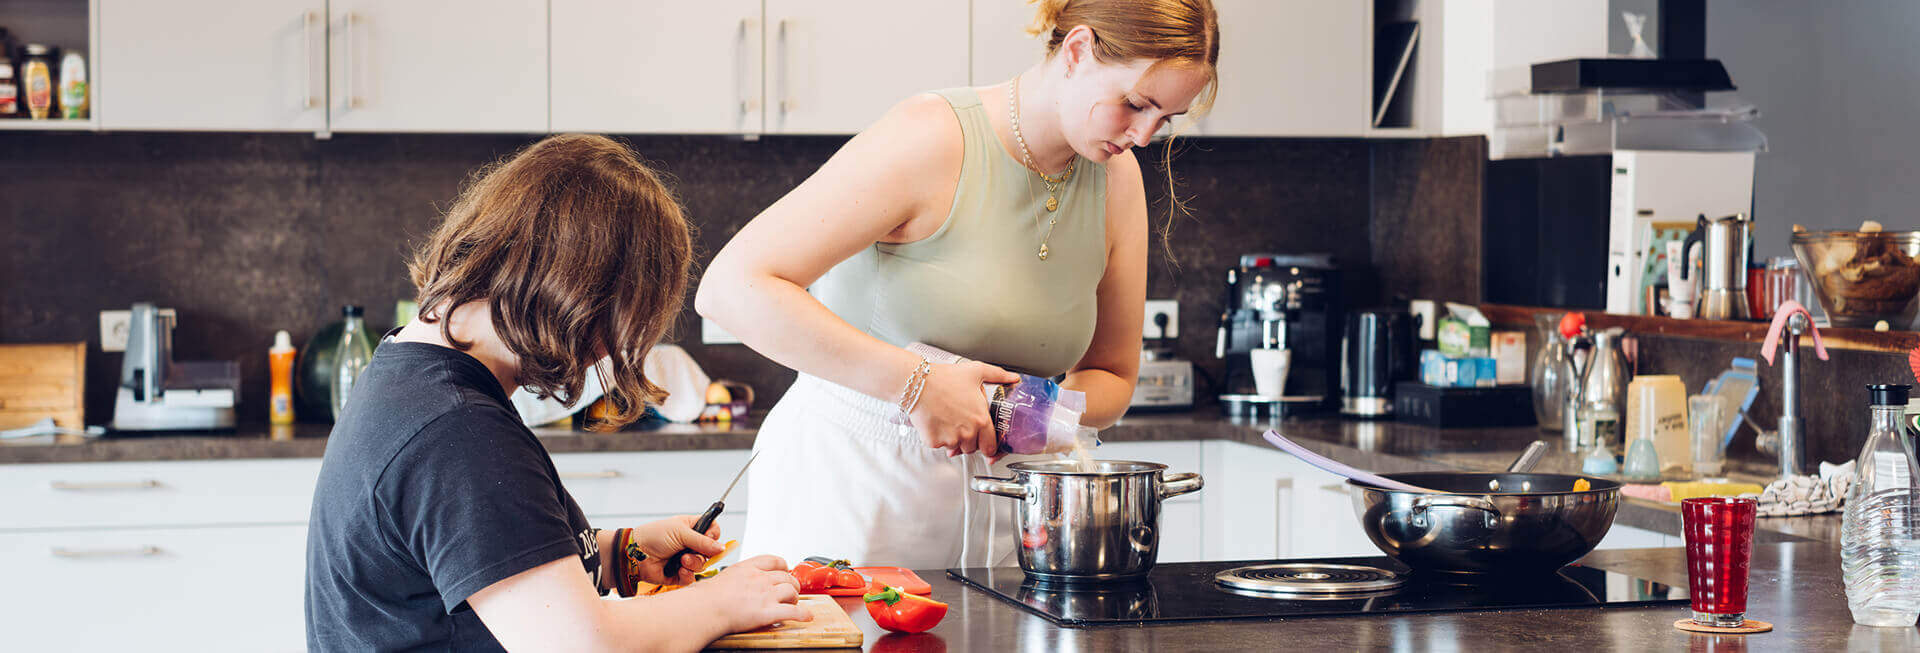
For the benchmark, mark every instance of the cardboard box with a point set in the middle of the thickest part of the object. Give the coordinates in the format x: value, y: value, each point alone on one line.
x: 1465, y: 333
x: 1442, y: 371
x: 1510, y: 356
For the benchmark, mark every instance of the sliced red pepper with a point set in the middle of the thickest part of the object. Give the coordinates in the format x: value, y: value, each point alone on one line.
x: 901, y: 612
x: 816, y: 577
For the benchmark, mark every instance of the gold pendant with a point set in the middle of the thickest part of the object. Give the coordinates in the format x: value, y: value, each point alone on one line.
x: 1052, y: 203
x: 1043, y: 251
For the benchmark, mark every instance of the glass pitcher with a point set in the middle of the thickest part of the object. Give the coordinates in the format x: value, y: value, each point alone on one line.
x: 1548, y: 375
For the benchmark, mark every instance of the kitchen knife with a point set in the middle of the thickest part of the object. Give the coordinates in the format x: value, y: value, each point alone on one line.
x: 672, y: 567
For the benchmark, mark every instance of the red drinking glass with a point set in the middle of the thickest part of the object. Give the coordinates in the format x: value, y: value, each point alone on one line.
x: 1719, y: 539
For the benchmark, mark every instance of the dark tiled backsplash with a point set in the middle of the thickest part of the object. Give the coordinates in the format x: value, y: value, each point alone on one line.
x: 245, y: 234
x: 1833, y: 393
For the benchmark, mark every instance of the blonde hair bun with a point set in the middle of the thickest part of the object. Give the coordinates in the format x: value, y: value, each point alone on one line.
x: 1047, y: 16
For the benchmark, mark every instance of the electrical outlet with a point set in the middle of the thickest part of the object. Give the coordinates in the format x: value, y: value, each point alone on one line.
x: 1171, y: 308
x: 1424, y: 312
x: 114, y: 326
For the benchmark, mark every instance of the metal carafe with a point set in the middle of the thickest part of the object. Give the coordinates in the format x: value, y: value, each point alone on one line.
x: 1723, y: 290
x: 1604, y: 381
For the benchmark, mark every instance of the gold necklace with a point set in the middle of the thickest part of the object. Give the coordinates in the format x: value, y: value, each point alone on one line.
x: 1053, y: 184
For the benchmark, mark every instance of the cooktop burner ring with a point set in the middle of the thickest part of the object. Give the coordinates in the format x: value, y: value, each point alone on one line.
x: 1311, y: 578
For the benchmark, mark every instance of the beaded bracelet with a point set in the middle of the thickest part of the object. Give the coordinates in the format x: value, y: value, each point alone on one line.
x: 627, y: 559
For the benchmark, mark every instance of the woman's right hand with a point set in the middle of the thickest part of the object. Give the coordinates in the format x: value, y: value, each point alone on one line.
x: 754, y: 593
x: 952, y: 411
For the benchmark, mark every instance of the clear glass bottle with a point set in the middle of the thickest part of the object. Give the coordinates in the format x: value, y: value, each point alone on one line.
x: 350, y: 359
x: 1547, y: 376
x: 1880, y: 529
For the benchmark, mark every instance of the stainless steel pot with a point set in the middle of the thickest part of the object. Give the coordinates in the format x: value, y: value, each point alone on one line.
x: 1100, y: 525
x: 1536, y: 523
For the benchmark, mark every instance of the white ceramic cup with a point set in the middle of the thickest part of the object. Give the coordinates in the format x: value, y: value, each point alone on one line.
x: 1270, y: 371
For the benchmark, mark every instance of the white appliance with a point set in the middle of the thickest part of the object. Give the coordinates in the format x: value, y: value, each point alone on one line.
x: 1666, y: 189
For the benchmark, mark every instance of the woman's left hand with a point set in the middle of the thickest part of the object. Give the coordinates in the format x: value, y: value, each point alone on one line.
x: 663, y: 539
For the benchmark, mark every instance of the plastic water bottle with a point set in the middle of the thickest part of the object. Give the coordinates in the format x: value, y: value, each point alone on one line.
x: 353, y: 356
x: 1880, y: 534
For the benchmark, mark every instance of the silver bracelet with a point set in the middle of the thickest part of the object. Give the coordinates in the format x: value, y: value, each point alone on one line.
x: 917, y: 381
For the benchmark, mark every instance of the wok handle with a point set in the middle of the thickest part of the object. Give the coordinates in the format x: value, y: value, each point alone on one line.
x: 1178, y: 484
x: 1426, y: 501
x: 1000, y: 487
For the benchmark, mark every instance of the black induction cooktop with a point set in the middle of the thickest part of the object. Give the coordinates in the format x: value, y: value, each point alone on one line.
x: 1188, y: 591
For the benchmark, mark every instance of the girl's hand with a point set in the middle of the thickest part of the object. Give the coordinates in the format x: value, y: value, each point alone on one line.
x: 952, y: 411
x: 757, y: 592
x: 663, y: 539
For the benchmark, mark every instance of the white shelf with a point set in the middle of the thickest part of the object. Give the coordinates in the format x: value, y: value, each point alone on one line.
x: 23, y: 125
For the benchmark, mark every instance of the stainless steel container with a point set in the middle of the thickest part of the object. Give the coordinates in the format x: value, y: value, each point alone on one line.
x: 1723, y: 291
x: 1535, y: 523
x: 1101, y: 525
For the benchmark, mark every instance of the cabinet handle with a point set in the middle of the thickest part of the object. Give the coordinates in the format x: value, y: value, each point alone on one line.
x: 306, y: 58
x: 786, y: 85
x: 605, y: 473
x: 1283, y: 517
x: 353, y: 89
x: 1336, y: 488
x: 749, y: 101
x: 97, y: 486
x: 147, y: 551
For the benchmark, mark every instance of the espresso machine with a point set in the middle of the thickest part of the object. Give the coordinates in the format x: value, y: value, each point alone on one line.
x: 1288, y: 302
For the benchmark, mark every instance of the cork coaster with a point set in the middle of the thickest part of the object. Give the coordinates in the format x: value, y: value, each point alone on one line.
x: 1751, y: 626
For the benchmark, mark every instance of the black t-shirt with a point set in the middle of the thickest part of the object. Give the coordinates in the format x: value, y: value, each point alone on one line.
x: 431, y: 490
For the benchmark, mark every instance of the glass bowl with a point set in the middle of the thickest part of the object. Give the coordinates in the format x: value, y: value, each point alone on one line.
x: 1862, y: 278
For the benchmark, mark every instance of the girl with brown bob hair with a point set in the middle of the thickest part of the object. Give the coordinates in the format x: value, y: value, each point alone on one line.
x: 439, y: 520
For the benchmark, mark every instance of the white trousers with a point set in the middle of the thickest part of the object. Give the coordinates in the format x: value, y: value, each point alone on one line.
x: 835, y: 478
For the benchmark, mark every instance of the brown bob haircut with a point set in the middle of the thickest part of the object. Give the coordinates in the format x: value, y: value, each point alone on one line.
x: 581, y: 251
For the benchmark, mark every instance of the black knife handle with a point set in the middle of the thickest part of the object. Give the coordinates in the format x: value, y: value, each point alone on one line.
x: 672, y: 567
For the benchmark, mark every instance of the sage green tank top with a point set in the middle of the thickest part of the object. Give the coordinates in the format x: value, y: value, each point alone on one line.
x: 977, y: 286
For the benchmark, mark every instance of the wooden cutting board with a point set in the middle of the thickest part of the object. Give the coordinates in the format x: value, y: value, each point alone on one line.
x: 830, y: 628
x: 41, y: 381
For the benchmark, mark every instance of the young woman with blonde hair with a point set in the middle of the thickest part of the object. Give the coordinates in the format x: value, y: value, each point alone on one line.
x: 1006, y: 224
x: 439, y: 521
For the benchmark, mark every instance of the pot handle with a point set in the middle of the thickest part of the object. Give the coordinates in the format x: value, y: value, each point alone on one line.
x: 1000, y: 487
x: 1178, y: 484
x: 1426, y: 501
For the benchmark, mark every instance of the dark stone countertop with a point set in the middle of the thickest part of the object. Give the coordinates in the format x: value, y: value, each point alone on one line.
x: 1794, y: 586
x: 1379, y: 446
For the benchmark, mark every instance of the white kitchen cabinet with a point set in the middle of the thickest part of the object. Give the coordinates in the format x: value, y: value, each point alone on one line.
x: 1265, y: 504
x: 1324, y: 524
x: 1001, y: 46
x: 834, y: 66
x: 1287, y: 67
x: 629, y: 66
x: 1628, y: 537
x: 438, y: 66
x: 1182, y: 532
x: 240, y: 65
x: 185, y: 589
x: 169, y: 493
x: 1291, y: 68
x: 1179, y: 457
x: 653, y: 482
